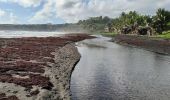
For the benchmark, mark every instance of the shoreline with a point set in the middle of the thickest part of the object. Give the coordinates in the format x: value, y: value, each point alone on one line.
x: 38, y: 68
x: 161, y: 46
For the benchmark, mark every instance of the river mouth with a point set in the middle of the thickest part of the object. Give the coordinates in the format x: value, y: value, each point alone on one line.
x: 109, y: 71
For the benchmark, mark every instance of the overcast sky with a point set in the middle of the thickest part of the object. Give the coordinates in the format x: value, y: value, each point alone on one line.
x: 66, y: 11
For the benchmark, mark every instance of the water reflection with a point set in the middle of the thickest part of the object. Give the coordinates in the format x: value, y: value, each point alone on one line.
x: 109, y: 71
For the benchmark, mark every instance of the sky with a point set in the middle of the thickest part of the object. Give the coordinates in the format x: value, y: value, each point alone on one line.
x: 70, y: 11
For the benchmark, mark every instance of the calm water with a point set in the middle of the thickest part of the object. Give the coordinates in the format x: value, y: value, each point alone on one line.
x: 109, y: 71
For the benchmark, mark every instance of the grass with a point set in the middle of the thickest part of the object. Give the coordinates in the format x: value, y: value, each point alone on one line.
x: 165, y: 35
x: 168, y: 24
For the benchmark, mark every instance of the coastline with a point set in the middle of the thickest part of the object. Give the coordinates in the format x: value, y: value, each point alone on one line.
x: 158, y: 45
x: 38, y: 68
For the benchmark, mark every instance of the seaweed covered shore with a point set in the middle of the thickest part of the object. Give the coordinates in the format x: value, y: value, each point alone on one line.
x: 157, y: 45
x: 35, y: 68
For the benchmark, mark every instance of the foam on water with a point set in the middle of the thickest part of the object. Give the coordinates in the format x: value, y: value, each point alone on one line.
x: 16, y: 34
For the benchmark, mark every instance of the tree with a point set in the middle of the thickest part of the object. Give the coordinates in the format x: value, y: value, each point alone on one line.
x: 160, y: 20
x: 123, y: 14
x: 106, y: 19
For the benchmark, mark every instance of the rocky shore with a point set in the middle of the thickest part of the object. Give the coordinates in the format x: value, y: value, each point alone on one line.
x: 38, y: 68
x: 161, y: 46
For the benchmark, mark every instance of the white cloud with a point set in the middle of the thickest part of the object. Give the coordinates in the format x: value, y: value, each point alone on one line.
x: 8, y: 17
x: 12, y: 19
x: 24, y: 3
x: 71, y: 10
x: 2, y: 12
x: 74, y: 10
x: 44, y: 14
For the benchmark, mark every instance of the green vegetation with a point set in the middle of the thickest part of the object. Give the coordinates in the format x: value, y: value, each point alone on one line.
x: 95, y: 24
x: 41, y: 27
x: 164, y: 35
x: 159, y: 23
x: 130, y: 18
x: 161, y: 20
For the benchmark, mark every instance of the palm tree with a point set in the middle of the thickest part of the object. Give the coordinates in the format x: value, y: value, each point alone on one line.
x: 160, y: 20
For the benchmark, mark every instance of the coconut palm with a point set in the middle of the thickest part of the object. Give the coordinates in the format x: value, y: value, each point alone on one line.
x: 160, y: 20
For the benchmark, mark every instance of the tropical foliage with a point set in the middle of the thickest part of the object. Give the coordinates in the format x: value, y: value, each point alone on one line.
x: 95, y: 23
x: 129, y: 19
x: 160, y: 21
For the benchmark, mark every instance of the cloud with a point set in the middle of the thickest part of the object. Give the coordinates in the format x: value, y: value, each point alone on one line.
x: 24, y: 3
x: 45, y: 14
x: 2, y: 12
x: 74, y: 10
x: 69, y: 4
x: 12, y: 19
x: 8, y: 17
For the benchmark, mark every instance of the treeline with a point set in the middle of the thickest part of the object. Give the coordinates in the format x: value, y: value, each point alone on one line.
x: 159, y: 22
x: 95, y: 23
x: 41, y: 27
